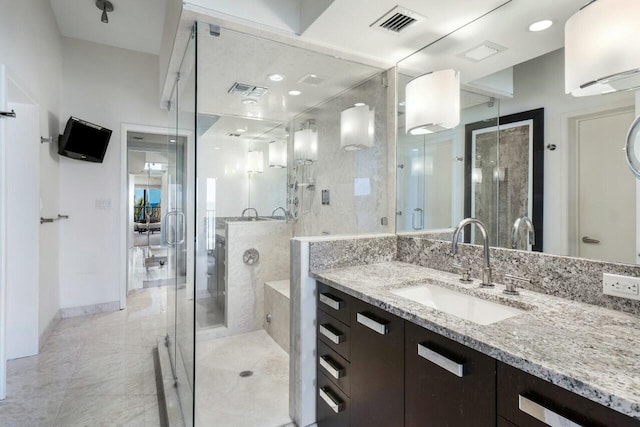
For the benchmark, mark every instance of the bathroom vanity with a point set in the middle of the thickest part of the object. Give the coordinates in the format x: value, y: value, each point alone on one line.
x: 388, y: 357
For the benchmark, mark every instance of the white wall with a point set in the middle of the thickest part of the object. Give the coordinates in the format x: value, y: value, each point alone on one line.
x: 108, y: 86
x: 540, y: 83
x: 31, y: 49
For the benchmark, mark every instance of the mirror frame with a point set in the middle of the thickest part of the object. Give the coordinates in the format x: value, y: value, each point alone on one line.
x: 537, y: 117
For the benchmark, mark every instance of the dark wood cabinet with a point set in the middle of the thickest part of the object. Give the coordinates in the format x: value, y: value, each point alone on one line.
x: 377, y: 367
x: 523, y: 399
x: 446, y: 383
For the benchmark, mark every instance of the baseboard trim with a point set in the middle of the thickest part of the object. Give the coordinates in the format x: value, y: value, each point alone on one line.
x: 48, y: 330
x: 89, y: 309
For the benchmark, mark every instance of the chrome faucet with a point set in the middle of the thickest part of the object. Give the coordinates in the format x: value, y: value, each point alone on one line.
x: 486, y: 270
x: 250, y: 209
x: 279, y: 208
x: 516, y: 227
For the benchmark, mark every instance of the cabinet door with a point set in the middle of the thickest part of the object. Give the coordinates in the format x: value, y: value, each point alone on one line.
x: 447, y: 383
x: 526, y: 401
x: 332, y: 404
x: 377, y: 366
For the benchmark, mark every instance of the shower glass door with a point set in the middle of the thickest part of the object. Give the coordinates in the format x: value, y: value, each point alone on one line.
x: 178, y: 231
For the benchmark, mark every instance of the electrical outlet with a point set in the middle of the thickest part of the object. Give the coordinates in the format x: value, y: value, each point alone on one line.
x: 621, y: 286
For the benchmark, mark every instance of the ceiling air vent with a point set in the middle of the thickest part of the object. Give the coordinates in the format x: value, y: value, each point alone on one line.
x: 482, y: 51
x: 397, y: 20
x: 244, y: 89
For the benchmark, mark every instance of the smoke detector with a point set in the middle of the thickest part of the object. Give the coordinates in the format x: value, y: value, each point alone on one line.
x: 397, y: 20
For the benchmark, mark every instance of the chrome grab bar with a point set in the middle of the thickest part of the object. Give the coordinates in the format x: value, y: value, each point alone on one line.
x: 543, y: 414
x: 378, y: 327
x: 331, y: 301
x: 331, y: 367
x: 455, y: 368
x: 335, y: 338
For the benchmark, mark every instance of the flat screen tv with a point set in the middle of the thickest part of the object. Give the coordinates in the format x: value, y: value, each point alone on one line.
x: 84, y: 141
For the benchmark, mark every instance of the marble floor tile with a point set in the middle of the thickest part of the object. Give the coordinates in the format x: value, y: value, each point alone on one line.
x: 94, y: 370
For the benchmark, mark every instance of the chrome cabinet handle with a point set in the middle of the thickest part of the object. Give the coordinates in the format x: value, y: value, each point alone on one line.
x: 380, y: 328
x: 455, y: 368
x: 333, y: 402
x: 589, y: 240
x: 331, y: 301
x: 335, y: 338
x: 331, y: 367
x: 543, y: 414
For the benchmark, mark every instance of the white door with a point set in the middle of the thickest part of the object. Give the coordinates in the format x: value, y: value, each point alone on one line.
x: 606, y: 190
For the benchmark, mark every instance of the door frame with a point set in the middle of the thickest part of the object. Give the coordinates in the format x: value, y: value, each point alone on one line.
x: 125, y: 128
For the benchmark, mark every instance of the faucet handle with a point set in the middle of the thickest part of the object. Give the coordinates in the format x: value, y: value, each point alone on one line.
x: 465, y: 273
x: 511, y: 283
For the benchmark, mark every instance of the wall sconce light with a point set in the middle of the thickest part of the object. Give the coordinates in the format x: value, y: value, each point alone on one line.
x: 357, y: 127
x: 600, y: 53
x: 278, y: 154
x: 255, y: 162
x: 433, y: 102
x: 305, y: 144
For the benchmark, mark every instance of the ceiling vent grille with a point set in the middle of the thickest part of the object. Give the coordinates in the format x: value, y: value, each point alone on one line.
x: 397, y: 20
x: 482, y: 51
x: 244, y: 89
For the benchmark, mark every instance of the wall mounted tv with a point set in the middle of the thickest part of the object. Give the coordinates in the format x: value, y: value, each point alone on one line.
x: 84, y: 141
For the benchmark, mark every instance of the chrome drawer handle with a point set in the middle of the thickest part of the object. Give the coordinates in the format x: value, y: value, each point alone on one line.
x: 333, y: 402
x: 331, y: 301
x: 331, y: 367
x: 543, y: 414
x: 380, y: 328
x: 454, y: 367
x: 335, y: 338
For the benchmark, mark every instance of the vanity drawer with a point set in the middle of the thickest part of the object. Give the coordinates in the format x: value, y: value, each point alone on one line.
x: 334, y: 302
x: 334, y: 334
x: 522, y: 398
x: 446, y: 382
x: 334, y: 367
x: 332, y: 406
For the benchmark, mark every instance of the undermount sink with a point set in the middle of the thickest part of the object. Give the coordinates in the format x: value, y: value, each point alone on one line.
x: 461, y: 305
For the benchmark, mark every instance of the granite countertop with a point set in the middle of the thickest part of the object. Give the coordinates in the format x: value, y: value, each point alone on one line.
x: 591, y: 351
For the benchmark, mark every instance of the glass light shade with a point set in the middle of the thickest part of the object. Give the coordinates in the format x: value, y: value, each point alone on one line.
x: 305, y: 146
x: 433, y: 102
x: 255, y: 162
x: 357, y: 127
x: 277, y: 154
x: 601, y: 55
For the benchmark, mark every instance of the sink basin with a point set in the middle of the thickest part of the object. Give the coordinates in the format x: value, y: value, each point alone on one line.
x: 458, y: 304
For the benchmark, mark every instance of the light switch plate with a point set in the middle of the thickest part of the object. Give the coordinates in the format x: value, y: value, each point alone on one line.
x: 621, y: 286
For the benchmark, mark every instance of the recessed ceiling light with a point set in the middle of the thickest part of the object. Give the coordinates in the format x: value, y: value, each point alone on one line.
x: 359, y: 104
x: 249, y: 101
x: 294, y: 92
x: 276, y: 77
x: 172, y: 140
x: 540, y: 25
x: 241, y: 130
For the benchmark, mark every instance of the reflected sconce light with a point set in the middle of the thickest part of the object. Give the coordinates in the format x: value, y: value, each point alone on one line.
x: 255, y: 162
x: 305, y: 144
x: 433, y: 102
x: 278, y: 154
x: 601, y: 53
x: 357, y: 127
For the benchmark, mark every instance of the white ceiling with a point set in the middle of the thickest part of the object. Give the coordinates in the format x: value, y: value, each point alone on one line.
x: 133, y: 24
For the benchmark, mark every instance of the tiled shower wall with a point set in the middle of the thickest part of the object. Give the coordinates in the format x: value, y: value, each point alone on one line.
x: 361, y: 183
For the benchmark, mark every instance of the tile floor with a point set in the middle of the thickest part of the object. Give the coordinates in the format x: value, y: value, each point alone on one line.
x: 93, y: 370
x: 224, y: 398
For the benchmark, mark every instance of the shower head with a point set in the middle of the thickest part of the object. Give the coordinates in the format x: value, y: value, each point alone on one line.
x: 105, y: 6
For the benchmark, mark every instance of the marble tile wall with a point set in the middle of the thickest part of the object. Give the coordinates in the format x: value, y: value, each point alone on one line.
x: 358, y: 181
x: 245, y: 283
x: 573, y: 278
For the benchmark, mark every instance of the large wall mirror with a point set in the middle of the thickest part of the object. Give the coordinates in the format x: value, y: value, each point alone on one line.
x: 522, y: 146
